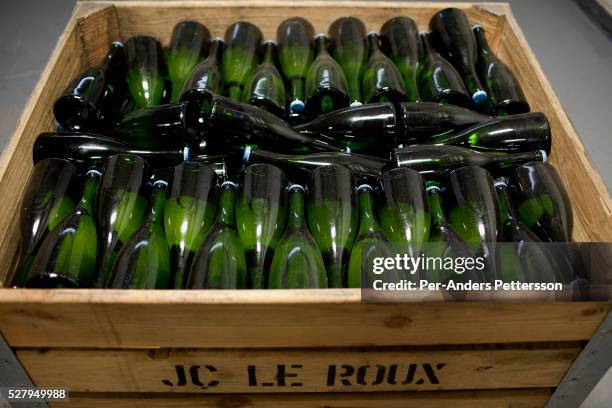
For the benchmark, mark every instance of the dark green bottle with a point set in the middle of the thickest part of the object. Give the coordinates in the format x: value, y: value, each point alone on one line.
x: 188, y: 46
x: 542, y: 201
x: 370, y: 128
x: 349, y: 47
x: 158, y: 126
x: 512, y: 134
x: 363, y: 167
x: 94, y: 97
x: 522, y: 255
x: 220, y: 261
x: 400, y: 41
x: 370, y: 243
x: 46, y: 201
x: 220, y: 125
x: 420, y: 122
x: 189, y: 214
x: 297, y: 261
x: 144, y: 261
x: 439, y: 81
x: 119, y: 209
x: 332, y: 215
x: 296, y: 53
x: 146, y: 73
x: 85, y: 149
x: 437, y: 160
x: 67, y: 256
x: 207, y: 74
x: 475, y: 211
x: 241, y: 56
x: 326, y: 87
x: 451, y: 28
x: 265, y: 87
x: 404, y: 212
x: 503, y: 89
x: 444, y: 241
x: 382, y: 81
x: 261, y: 216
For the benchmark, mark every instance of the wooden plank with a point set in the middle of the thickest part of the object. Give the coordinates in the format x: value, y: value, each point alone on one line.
x: 290, y: 371
x: 98, y: 27
x: 457, y: 399
x: 591, y: 203
x: 279, y: 318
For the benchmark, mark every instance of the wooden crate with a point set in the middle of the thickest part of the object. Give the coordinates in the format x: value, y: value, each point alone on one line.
x: 290, y: 348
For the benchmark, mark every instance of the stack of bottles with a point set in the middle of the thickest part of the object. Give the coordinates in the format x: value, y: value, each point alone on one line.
x: 243, y: 162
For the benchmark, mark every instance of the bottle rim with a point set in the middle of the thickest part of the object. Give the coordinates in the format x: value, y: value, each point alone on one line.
x: 364, y: 186
x: 229, y: 183
x: 297, y: 106
x: 295, y: 187
x: 247, y: 153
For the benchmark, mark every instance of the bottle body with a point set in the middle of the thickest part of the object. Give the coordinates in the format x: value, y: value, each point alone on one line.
x: 261, y: 216
x: 296, y: 54
x: 207, y: 74
x: 146, y: 72
x: 382, y: 80
x: 189, y: 214
x: 400, y: 41
x: 188, y: 46
x: 349, y: 47
x: 297, y: 261
x: 332, y: 217
x: 241, y: 56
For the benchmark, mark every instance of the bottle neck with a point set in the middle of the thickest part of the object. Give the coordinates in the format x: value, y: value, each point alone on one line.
x: 226, y: 203
x: 510, y: 160
x: 438, y: 218
x: 269, y: 53
x: 321, y: 45
x: 92, y: 180
x: 374, y: 44
x: 481, y: 40
x: 428, y: 48
x: 216, y: 50
x: 366, y: 210
x: 296, y: 208
x: 158, y: 201
x: 507, y: 211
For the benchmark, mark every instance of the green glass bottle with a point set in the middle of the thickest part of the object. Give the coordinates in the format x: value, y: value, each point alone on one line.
x: 67, y: 256
x: 85, y: 149
x: 332, y: 217
x: 144, y: 261
x: 400, y: 41
x: 326, y: 87
x: 300, y: 165
x: 349, y: 47
x: 188, y: 46
x: 265, y: 87
x: 241, y: 56
x: 382, y: 81
x: 119, y: 209
x: 439, y: 81
x: 94, y: 96
x: 46, y: 201
x: 437, y: 160
x: 295, y: 51
x: 158, y: 126
x: 189, y: 214
x: 146, y: 72
x: 542, y: 201
x: 207, y: 74
x: 220, y: 262
x: 297, y: 261
x: 503, y: 89
x: 451, y: 28
x: 261, y: 216
x: 224, y: 166
x: 370, y: 243
x: 522, y: 256
x: 512, y: 134
x: 404, y: 212
x: 475, y: 211
x: 444, y: 242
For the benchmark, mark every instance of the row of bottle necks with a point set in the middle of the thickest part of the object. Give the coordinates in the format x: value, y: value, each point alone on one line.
x: 299, y: 78
x: 271, y: 233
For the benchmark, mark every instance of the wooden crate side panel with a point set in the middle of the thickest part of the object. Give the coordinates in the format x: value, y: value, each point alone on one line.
x: 311, y: 370
x: 535, y: 398
x: 283, y: 318
x: 592, y: 208
x: 98, y: 28
x: 158, y: 18
x: 16, y: 162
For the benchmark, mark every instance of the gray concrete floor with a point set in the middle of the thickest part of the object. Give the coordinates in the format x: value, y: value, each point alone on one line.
x: 574, y: 52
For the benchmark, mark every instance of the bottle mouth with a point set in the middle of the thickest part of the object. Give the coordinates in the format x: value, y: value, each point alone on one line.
x: 319, y: 35
x: 373, y: 33
x: 479, y: 97
x: 297, y: 106
x: 220, y: 39
x: 356, y: 103
x: 162, y: 183
x: 433, y: 188
x: 247, y: 153
x: 273, y: 42
x: 365, y: 187
x: 94, y: 171
x: 295, y: 187
x: 500, y: 183
x: 229, y: 183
